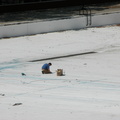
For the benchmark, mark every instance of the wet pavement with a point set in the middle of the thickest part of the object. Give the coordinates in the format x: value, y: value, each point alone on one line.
x: 58, y: 13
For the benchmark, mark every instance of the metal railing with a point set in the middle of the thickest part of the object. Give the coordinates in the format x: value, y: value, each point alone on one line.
x: 85, y: 10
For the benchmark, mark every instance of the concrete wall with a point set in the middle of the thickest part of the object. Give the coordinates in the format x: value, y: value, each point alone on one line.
x: 57, y: 25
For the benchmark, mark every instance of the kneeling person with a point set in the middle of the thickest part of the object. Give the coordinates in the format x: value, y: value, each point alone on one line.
x: 46, y: 68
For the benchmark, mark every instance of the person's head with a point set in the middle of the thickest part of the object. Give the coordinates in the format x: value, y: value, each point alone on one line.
x: 50, y: 64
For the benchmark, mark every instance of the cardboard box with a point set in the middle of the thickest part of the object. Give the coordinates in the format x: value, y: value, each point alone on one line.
x: 59, y: 72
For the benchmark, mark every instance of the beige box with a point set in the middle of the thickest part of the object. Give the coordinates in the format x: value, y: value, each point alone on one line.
x: 59, y: 72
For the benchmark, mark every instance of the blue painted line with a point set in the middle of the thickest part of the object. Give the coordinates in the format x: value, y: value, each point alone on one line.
x: 29, y: 77
x: 106, y: 85
x: 8, y: 67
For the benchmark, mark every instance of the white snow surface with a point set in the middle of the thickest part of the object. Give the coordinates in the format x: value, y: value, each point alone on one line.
x: 89, y: 89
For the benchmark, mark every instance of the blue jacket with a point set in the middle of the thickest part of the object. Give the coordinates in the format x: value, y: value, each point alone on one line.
x: 45, y: 66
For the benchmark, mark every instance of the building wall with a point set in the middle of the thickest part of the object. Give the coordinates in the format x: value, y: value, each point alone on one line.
x: 57, y: 25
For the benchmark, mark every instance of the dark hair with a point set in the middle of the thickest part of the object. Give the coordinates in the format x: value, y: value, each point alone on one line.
x: 50, y: 63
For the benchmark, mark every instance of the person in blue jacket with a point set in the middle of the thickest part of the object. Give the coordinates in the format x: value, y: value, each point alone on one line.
x: 46, y: 68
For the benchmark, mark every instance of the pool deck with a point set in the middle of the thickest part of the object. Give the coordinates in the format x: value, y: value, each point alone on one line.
x: 58, y: 13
